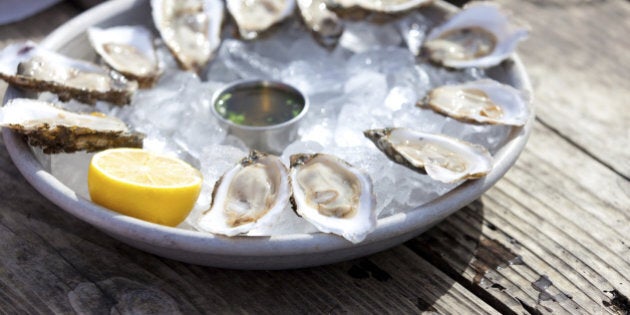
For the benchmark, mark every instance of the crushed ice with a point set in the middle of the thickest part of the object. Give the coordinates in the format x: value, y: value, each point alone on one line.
x: 370, y: 80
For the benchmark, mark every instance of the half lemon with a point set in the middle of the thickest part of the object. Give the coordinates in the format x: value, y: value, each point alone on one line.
x: 144, y: 185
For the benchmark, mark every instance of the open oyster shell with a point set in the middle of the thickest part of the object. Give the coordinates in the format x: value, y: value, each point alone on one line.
x: 29, y: 67
x: 57, y: 130
x: 256, y: 16
x: 478, y: 36
x: 128, y: 50
x: 250, y: 195
x: 443, y: 158
x: 483, y: 102
x: 323, y: 23
x: 333, y: 195
x: 190, y: 29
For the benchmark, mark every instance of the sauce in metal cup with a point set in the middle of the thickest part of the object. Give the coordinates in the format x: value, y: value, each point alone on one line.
x: 264, y: 114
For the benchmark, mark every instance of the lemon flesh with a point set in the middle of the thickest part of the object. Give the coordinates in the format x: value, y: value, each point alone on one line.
x: 144, y: 185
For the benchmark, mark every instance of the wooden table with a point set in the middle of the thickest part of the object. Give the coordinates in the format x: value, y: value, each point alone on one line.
x: 552, y: 236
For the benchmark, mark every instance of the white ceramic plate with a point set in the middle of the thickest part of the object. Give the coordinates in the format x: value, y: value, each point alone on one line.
x: 290, y: 251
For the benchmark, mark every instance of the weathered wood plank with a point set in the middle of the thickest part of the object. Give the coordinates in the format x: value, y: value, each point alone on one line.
x: 558, y: 213
x: 52, y: 262
x: 543, y: 221
x: 577, y: 58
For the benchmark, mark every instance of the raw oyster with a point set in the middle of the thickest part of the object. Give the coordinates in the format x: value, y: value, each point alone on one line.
x: 333, y: 195
x: 57, y: 130
x: 191, y: 29
x: 29, y: 67
x: 478, y: 36
x: 128, y: 50
x: 250, y: 195
x: 325, y: 24
x: 443, y: 158
x: 379, y: 6
x: 255, y: 16
x: 483, y: 101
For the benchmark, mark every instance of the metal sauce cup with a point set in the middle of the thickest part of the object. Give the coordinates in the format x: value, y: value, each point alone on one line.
x: 271, y: 138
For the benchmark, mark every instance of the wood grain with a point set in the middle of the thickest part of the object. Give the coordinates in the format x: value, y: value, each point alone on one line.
x: 577, y: 57
x: 533, y: 226
x: 52, y: 262
x: 553, y: 236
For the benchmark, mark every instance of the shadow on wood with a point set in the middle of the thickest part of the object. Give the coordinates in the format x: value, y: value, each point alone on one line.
x: 458, y: 248
x: 56, y: 262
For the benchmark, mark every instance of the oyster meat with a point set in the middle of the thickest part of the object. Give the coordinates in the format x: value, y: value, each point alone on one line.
x: 333, y: 195
x: 255, y: 16
x: 57, y: 130
x: 443, y: 158
x: 29, y: 67
x: 323, y: 23
x: 484, y: 102
x: 379, y: 6
x: 191, y: 29
x: 250, y: 195
x: 128, y: 50
x: 478, y: 36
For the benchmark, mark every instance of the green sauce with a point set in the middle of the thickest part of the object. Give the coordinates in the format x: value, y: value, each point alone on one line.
x: 259, y: 105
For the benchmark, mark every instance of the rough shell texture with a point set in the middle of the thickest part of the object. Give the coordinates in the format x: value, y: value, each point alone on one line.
x: 482, y: 102
x: 190, y: 29
x: 323, y: 23
x: 68, y: 78
x: 256, y: 16
x: 128, y: 50
x: 333, y: 195
x: 57, y: 130
x: 443, y: 158
x: 496, y: 38
x: 250, y: 195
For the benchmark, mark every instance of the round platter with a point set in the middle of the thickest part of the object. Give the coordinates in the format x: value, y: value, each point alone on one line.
x: 276, y: 252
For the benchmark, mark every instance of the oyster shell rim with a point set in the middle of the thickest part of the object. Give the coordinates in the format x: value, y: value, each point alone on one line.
x: 64, y: 138
x: 381, y: 139
x: 279, y: 205
x: 116, y: 95
x: 519, y: 32
x: 524, y: 97
x: 365, y: 213
x: 144, y: 81
x: 261, y: 252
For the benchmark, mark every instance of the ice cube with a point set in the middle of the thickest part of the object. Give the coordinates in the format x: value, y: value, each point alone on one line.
x: 312, y: 77
x: 72, y: 169
x: 399, y: 97
x: 489, y: 136
x: 366, y: 87
x: 319, y: 123
x: 199, y: 133
x: 439, y: 76
x: 384, y: 60
x: 217, y: 159
x: 413, y: 117
x: 361, y: 36
x: 287, y: 223
x: 247, y: 63
x: 413, y: 28
x: 306, y: 48
x: 236, y: 142
x: 219, y: 71
x: 299, y: 147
